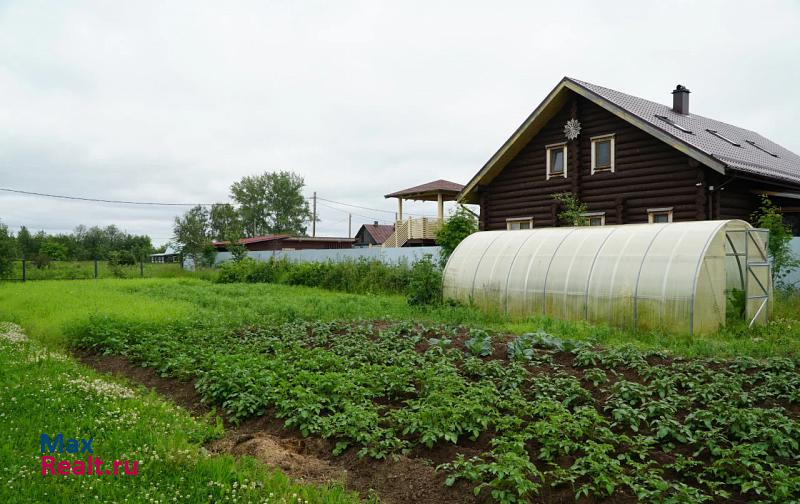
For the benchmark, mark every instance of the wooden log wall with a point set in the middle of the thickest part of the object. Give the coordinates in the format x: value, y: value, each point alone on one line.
x: 648, y: 174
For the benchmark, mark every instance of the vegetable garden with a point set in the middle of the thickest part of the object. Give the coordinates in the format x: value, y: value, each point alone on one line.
x: 531, y: 416
x: 508, y: 410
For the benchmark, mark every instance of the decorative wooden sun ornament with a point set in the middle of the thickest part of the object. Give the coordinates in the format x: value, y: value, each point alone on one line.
x: 572, y: 129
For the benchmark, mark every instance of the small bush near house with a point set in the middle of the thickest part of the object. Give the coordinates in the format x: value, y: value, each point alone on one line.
x: 769, y: 216
x: 458, y: 226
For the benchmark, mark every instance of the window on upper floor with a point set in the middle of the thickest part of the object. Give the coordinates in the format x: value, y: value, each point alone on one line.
x: 659, y: 215
x: 595, y: 218
x: 602, y: 153
x: 519, y: 223
x: 556, y: 160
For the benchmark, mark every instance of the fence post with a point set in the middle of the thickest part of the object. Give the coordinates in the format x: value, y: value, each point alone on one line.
x: 95, y: 267
x: 24, y: 273
x: 141, y: 267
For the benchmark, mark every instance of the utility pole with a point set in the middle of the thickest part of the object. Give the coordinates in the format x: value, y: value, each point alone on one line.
x: 314, y: 217
x: 349, y: 225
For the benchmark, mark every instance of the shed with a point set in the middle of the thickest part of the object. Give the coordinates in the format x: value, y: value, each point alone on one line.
x: 675, y: 276
x: 170, y: 255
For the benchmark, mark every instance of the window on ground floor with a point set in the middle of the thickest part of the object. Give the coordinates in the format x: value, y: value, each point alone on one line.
x: 595, y: 218
x: 519, y: 223
x: 659, y: 215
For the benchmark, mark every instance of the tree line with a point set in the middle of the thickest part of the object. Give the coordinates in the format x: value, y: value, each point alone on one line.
x: 269, y: 203
x: 82, y: 244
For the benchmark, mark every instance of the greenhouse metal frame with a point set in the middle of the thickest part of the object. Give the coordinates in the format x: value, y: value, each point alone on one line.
x: 673, y: 276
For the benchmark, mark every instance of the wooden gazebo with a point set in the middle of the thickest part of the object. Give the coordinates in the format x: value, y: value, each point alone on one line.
x: 421, y: 231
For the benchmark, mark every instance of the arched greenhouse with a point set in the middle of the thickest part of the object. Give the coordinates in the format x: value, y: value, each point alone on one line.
x: 682, y: 276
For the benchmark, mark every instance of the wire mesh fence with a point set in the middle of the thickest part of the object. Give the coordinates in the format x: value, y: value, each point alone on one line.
x: 28, y: 270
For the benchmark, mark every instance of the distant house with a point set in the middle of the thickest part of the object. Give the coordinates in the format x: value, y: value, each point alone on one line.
x: 170, y: 255
x: 631, y: 161
x: 375, y: 234
x: 288, y: 242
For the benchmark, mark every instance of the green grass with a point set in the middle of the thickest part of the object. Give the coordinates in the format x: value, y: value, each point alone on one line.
x: 46, y: 308
x: 45, y: 392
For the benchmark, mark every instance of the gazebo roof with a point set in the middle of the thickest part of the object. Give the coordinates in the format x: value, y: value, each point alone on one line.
x: 430, y: 191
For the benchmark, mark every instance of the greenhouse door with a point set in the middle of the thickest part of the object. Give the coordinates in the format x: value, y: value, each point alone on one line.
x: 757, y: 278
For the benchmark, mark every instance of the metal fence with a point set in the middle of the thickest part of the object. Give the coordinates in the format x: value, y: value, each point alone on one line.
x: 385, y: 255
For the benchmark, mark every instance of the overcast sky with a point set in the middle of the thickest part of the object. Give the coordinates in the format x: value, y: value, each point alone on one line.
x: 173, y: 101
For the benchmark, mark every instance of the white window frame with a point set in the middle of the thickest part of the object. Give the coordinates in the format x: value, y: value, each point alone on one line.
x: 590, y: 215
x: 517, y: 220
x: 601, y: 138
x: 651, y: 214
x: 547, y: 149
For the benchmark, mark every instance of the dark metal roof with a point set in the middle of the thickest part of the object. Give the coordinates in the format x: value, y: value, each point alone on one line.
x: 379, y: 232
x: 429, y: 190
x: 745, y: 158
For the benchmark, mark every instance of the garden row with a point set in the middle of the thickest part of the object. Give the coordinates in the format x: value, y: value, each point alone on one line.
x: 519, y: 418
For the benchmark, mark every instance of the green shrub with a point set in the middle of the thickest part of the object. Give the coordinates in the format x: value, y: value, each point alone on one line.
x: 425, y: 286
x: 458, y: 226
x: 769, y: 216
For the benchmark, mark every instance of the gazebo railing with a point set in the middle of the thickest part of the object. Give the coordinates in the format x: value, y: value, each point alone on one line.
x: 423, y: 228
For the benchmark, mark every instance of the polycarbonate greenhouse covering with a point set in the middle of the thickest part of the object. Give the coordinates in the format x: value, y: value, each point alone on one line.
x: 675, y: 276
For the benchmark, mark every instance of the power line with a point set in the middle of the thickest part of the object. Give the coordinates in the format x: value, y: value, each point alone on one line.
x: 368, y: 217
x: 171, y: 204
x: 369, y: 208
x: 99, y: 200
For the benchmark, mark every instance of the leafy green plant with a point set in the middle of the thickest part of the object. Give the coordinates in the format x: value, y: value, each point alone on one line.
x: 460, y: 224
x: 769, y: 216
x: 573, y: 210
x: 479, y: 343
x: 425, y: 282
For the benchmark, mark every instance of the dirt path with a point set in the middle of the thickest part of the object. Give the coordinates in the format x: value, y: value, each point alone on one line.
x: 304, y: 459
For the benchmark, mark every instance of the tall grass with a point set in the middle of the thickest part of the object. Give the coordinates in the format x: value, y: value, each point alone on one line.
x: 46, y: 308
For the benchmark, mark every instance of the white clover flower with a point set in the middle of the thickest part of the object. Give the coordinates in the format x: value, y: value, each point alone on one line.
x: 12, y: 332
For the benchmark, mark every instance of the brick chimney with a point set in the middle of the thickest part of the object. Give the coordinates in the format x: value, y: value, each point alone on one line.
x: 680, y: 100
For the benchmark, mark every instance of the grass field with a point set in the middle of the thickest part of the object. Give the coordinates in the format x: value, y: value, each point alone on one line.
x: 45, y: 308
x: 46, y: 392
x: 518, y: 418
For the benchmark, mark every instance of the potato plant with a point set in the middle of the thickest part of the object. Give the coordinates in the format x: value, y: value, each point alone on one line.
x: 549, y: 415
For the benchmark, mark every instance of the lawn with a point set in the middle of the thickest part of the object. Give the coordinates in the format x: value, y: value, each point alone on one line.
x: 45, y: 392
x: 518, y: 410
